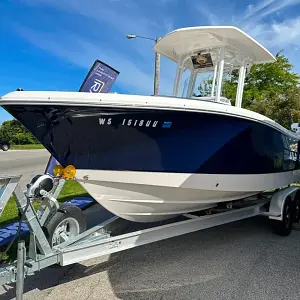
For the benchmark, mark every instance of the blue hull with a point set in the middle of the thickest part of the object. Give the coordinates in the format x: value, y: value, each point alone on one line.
x: 158, y: 140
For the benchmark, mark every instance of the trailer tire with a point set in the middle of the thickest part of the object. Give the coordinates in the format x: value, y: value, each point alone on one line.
x: 66, y: 223
x: 296, y: 210
x: 284, y: 227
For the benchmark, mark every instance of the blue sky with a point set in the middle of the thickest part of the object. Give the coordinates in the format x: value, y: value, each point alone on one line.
x: 51, y: 44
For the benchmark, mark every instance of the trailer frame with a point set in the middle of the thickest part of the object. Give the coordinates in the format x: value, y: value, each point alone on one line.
x: 100, y: 240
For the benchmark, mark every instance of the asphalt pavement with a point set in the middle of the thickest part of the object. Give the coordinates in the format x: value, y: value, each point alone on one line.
x: 27, y: 163
x: 241, y: 260
x: 237, y: 261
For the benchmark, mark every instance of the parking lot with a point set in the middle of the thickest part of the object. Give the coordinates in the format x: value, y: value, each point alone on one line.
x: 23, y: 162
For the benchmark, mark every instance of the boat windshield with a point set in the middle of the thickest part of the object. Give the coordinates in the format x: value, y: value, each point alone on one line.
x: 203, y: 87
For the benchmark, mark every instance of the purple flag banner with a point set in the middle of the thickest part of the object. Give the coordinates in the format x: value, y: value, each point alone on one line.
x: 100, y: 79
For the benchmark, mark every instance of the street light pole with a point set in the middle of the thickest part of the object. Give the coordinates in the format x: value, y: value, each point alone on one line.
x: 156, y: 61
x: 156, y: 70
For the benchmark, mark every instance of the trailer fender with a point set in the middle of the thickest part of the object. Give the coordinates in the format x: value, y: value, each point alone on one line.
x: 278, y: 200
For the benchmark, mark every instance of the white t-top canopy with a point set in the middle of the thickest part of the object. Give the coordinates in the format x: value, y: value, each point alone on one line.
x: 192, y: 39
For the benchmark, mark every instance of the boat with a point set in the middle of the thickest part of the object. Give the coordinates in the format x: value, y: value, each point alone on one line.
x: 150, y: 158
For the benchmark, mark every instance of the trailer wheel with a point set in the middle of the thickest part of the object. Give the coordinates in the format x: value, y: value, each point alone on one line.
x: 284, y: 227
x: 66, y: 223
x: 296, y: 214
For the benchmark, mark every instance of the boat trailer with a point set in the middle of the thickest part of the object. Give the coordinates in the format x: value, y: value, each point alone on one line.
x: 58, y: 234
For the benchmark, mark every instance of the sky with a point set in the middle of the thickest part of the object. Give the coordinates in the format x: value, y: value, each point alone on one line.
x: 51, y: 44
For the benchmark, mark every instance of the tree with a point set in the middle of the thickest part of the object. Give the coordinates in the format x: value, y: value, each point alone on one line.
x: 264, y: 81
x: 205, y: 87
x: 270, y: 89
x: 280, y: 108
x: 14, y: 132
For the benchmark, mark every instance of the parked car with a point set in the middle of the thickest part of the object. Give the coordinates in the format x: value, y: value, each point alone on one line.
x: 4, y: 145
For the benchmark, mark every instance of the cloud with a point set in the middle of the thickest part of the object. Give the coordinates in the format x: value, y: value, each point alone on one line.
x: 276, y: 35
x: 280, y: 34
x: 122, y: 16
x: 166, y: 2
x: 250, y: 8
x: 279, y: 5
x: 100, y: 27
x: 82, y: 52
x: 134, y: 58
x: 206, y: 12
x: 286, y: 33
x: 255, y: 9
x: 256, y: 13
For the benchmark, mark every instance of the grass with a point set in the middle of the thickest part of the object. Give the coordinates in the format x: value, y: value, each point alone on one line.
x: 27, y: 147
x: 70, y: 190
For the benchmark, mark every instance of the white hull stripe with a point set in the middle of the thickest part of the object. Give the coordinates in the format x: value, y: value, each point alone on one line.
x: 214, y: 182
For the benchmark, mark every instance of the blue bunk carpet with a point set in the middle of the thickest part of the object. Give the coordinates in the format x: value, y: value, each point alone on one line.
x: 8, y: 232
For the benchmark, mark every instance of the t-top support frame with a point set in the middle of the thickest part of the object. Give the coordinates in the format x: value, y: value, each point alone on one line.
x: 225, y: 57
